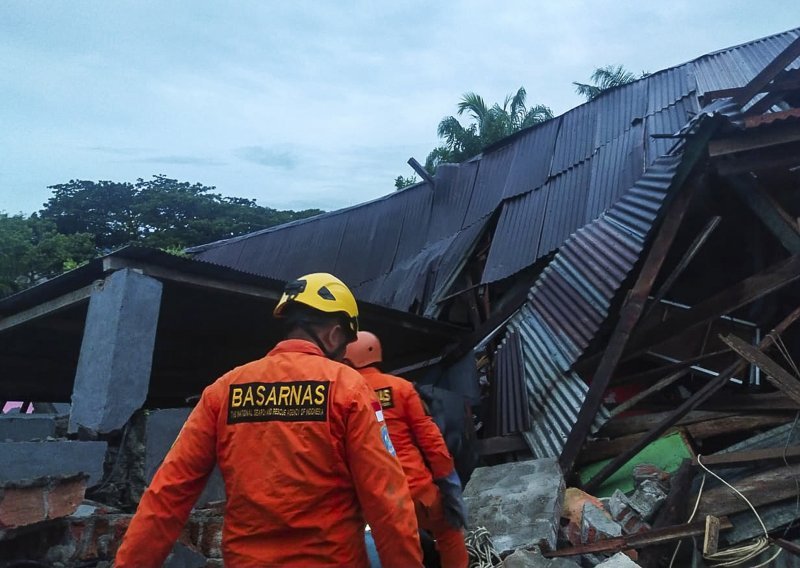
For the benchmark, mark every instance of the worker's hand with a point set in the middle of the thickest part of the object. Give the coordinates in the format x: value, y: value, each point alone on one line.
x: 455, y: 510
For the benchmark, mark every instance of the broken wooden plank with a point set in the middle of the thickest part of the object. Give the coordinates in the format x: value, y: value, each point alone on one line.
x: 641, y: 540
x: 714, y: 385
x: 604, y: 449
x: 629, y: 316
x: 711, y: 538
x: 778, y: 156
x: 625, y: 426
x: 774, y: 373
x: 637, y: 398
x: 749, y: 457
x: 760, y: 489
x: 670, y: 368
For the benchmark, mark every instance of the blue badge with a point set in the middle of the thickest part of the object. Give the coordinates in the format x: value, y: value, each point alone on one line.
x: 387, y: 441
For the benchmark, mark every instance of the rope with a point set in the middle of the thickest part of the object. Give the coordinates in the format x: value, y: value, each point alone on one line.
x: 482, y: 553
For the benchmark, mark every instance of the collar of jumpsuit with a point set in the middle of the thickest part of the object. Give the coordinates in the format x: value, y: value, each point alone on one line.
x: 297, y: 346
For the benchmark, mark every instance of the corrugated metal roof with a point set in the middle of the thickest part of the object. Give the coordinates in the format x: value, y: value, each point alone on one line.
x: 533, y: 159
x: 511, y: 412
x: 736, y: 66
x: 549, y: 180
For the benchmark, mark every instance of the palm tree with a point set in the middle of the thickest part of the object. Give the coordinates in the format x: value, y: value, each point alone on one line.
x: 606, y: 78
x: 489, y: 124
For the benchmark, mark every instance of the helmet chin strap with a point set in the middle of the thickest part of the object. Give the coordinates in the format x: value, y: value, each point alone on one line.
x: 334, y: 355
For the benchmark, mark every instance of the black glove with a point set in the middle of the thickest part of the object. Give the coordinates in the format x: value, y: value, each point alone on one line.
x: 455, y: 510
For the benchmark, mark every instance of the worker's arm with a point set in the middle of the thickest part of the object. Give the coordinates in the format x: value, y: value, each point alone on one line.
x: 427, y: 434
x: 380, y: 484
x: 167, y: 502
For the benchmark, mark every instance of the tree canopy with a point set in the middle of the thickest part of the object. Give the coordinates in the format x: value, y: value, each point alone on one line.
x: 85, y: 218
x: 604, y: 78
x: 488, y: 124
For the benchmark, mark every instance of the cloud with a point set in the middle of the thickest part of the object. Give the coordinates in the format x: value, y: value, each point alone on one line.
x: 268, y: 157
x: 117, y: 151
x: 182, y: 160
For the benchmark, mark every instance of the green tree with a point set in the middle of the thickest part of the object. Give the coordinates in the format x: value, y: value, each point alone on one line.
x: 160, y: 212
x: 605, y: 78
x: 31, y: 250
x: 488, y: 125
x: 401, y: 182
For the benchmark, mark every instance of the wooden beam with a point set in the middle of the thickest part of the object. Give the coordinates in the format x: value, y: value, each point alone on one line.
x: 636, y: 424
x: 47, y: 308
x: 783, y: 156
x: 604, y: 449
x: 637, y: 398
x: 112, y: 263
x: 710, y: 388
x: 773, y: 278
x: 768, y: 73
x: 769, y: 211
x: 751, y: 457
x: 687, y: 258
x: 421, y: 171
x: 774, y: 373
x: 629, y: 315
x: 668, y: 369
x: 641, y: 540
x: 754, y: 139
x: 791, y: 82
x: 763, y: 488
x: 501, y: 445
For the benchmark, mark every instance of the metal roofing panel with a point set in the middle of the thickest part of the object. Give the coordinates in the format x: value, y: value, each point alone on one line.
x: 490, y: 182
x: 416, y: 219
x: 736, y: 66
x: 619, y: 110
x: 454, y: 186
x: 554, y: 397
x: 665, y: 88
x: 370, y: 240
x: 511, y: 413
x: 614, y: 169
x: 516, y: 239
x: 455, y: 256
x: 667, y: 121
x: 566, y: 206
x: 532, y: 160
x: 576, y: 137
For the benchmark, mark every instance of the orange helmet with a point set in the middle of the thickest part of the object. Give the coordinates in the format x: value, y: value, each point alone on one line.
x: 364, y: 351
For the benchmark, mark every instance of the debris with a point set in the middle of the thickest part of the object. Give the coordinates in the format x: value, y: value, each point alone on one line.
x: 619, y: 560
x: 522, y: 558
x: 519, y: 503
x: 597, y: 525
x: 43, y: 499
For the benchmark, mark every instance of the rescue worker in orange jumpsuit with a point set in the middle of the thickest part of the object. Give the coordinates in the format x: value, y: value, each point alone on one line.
x: 432, y: 478
x: 303, y: 450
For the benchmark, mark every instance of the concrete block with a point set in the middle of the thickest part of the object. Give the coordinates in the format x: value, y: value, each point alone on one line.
x: 519, y: 503
x: 619, y: 560
x: 161, y: 429
x: 24, y: 427
x: 596, y: 524
x: 623, y: 513
x: 647, y: 499
x: 533, y: 559
x: 58, y: 458
x: 113, y: 374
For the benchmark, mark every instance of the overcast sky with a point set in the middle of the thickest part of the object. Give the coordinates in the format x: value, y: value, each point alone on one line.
x: 301, y: 104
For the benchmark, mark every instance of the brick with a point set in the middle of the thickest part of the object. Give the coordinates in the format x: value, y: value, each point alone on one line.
x: 20, y: 506
x: 64, y: 497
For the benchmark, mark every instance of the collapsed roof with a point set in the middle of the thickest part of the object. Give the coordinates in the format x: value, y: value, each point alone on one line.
x: 529, y: 192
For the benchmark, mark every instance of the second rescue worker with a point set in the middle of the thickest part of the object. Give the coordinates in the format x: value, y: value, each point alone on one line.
x: 422, y: 451
x: 302, y: 448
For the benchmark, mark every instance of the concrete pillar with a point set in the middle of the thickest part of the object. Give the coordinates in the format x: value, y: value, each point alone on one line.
x: 113, y: 373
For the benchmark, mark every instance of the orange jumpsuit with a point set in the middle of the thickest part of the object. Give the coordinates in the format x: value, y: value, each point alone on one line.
x: 423, y: 454
x: 300, y: 444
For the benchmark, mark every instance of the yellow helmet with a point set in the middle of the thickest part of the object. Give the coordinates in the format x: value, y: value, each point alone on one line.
x: 323, y: 292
